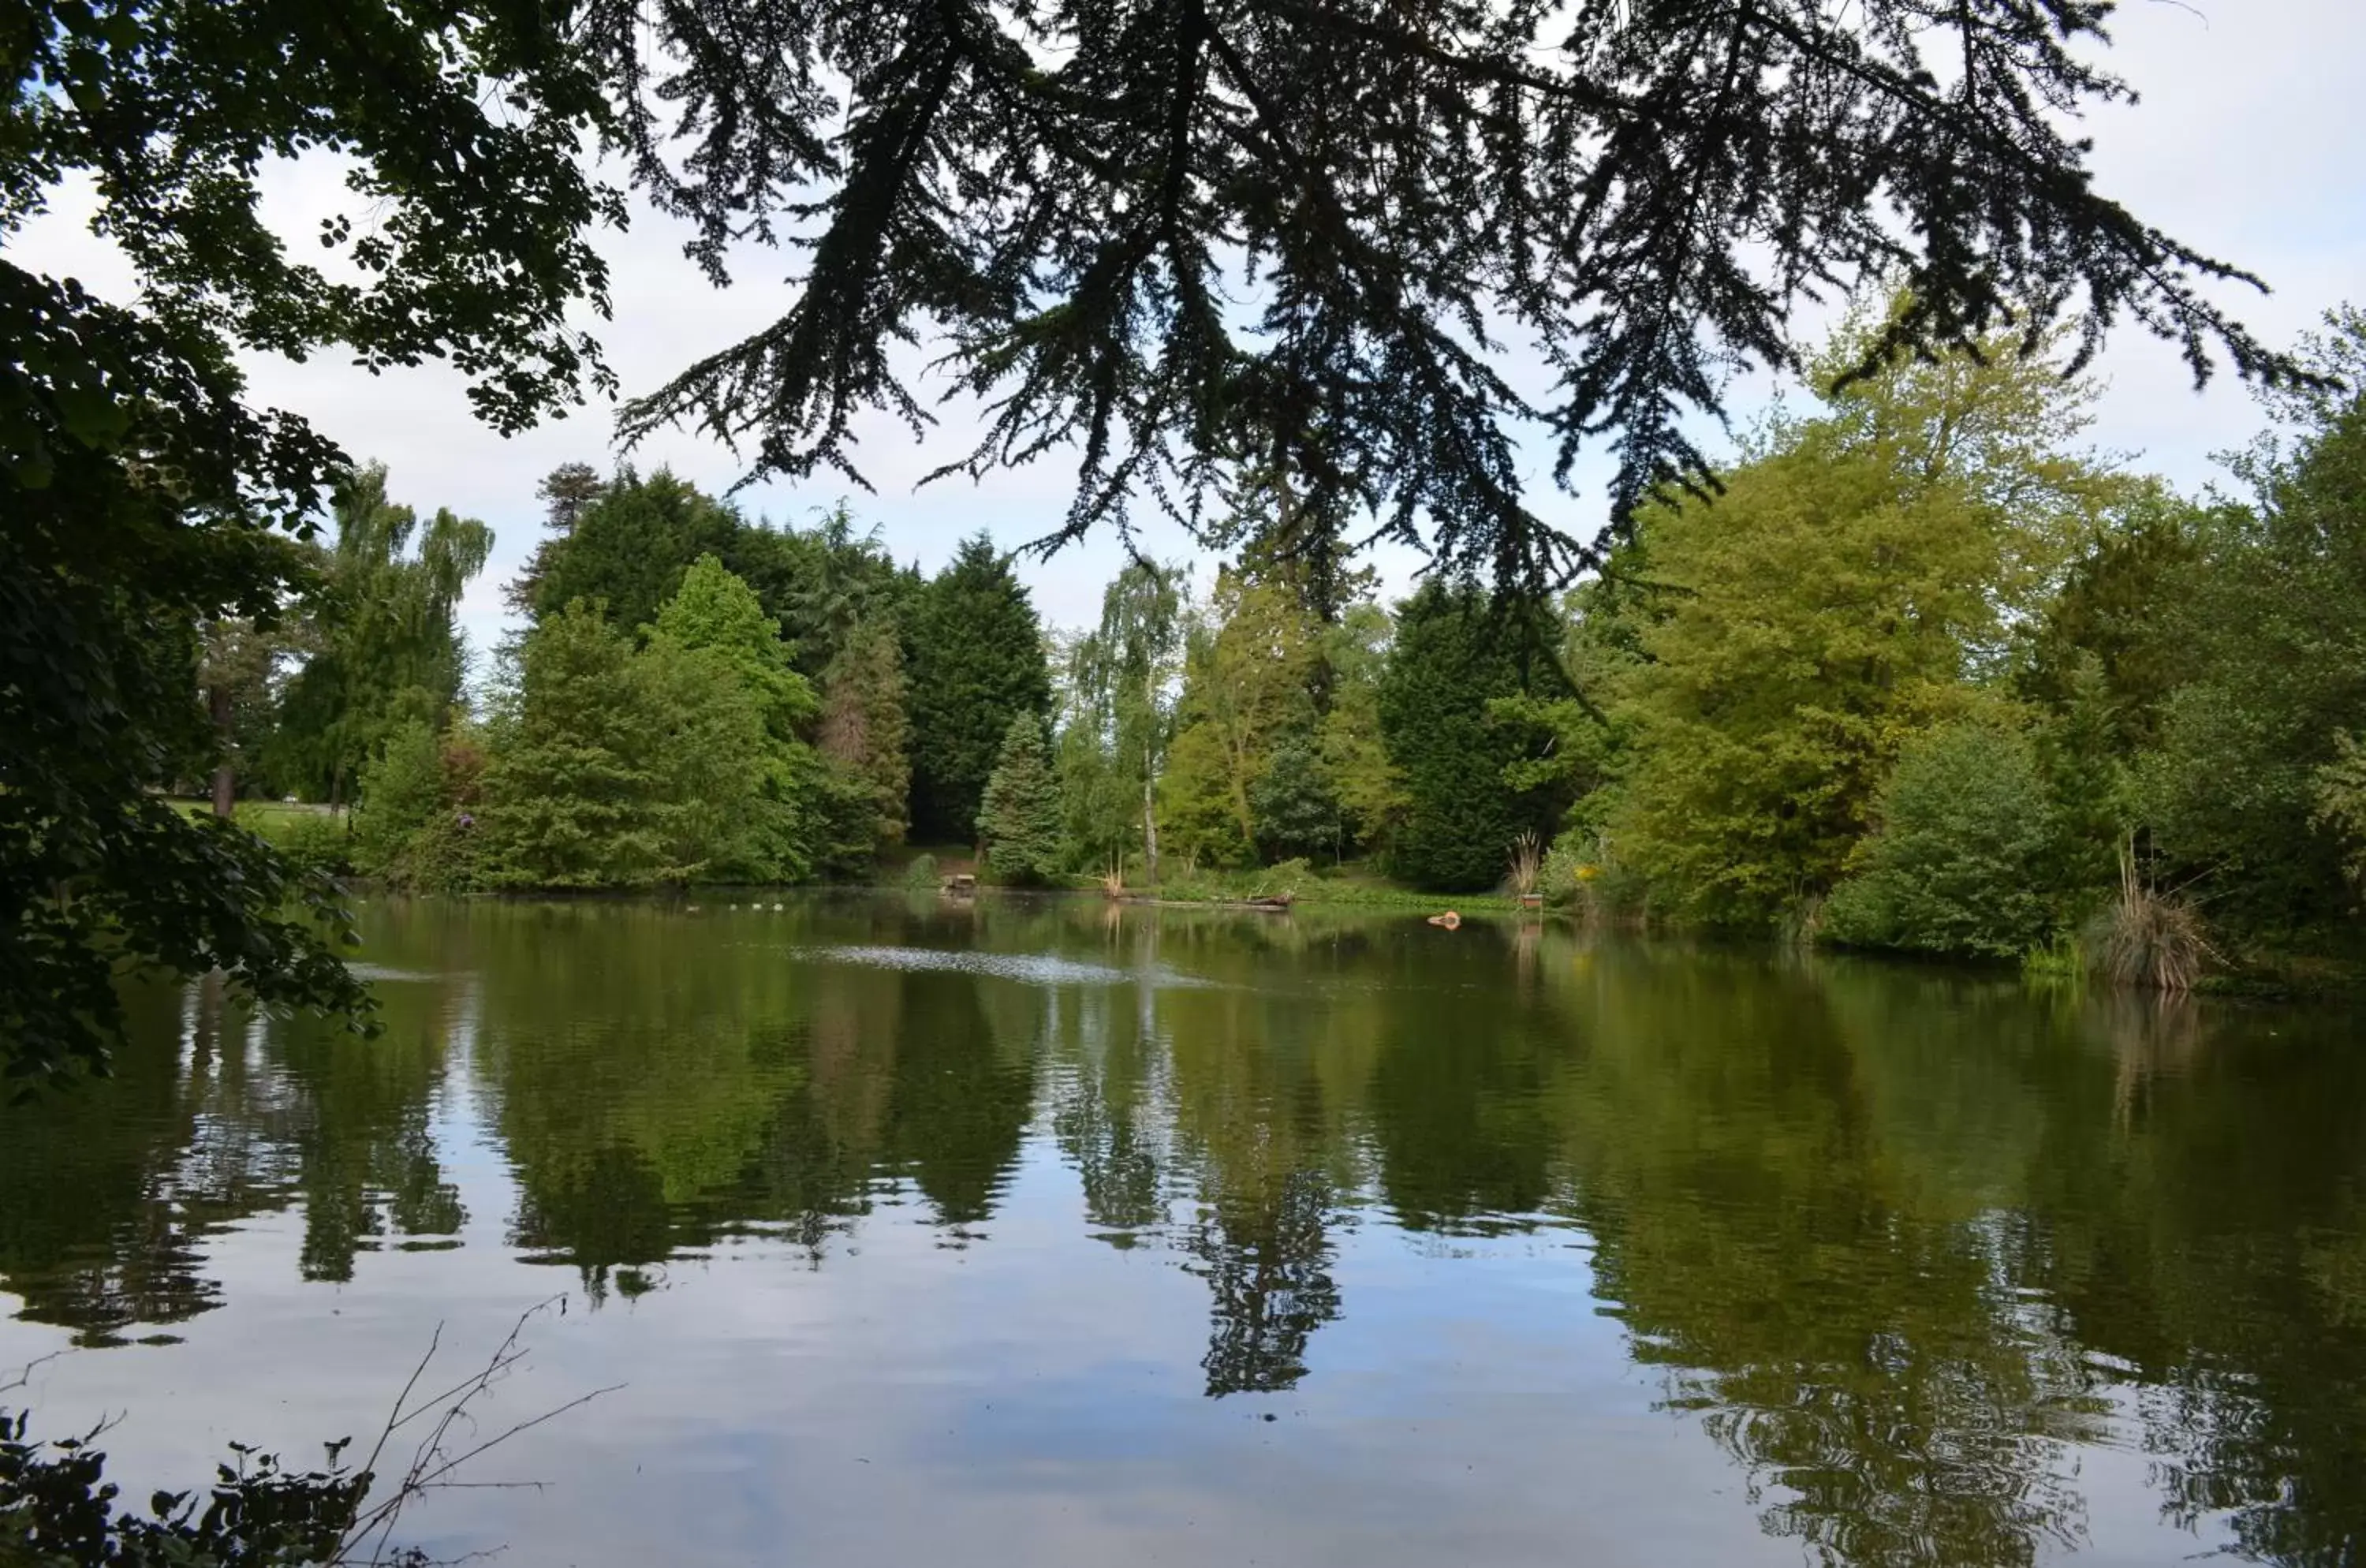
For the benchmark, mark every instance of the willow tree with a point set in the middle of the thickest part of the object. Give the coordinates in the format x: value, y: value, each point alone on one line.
x: 1073, y: 196
x: 384, y: 648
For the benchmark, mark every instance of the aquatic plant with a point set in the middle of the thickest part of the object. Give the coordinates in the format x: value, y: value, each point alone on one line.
x: 2150, y: 938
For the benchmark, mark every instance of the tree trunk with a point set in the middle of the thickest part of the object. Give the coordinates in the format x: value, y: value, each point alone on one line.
x: 217, y: 703
x: 1149, y: 831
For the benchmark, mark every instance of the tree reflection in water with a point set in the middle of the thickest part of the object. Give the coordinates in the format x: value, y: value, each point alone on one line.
x: 1903, y: 1243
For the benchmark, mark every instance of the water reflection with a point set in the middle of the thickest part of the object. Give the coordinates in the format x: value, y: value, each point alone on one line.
x: 1914, y: 1251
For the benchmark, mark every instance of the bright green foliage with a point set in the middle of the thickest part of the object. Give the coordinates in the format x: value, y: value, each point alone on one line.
x: 714, y: 609
x: 1356, y: 765
x: 2341, y: 804
x: 2276, y: 624
x: 1200, y: 821
x: 574, y: 795
x: 1251, y: 665
x: 1826, y: 609
x: 1964, y: 859
x: 386, y: 651
x: 1018, y: 821
x: 1120, y: 718
x: 753, y: 825
x: 628, y: 549
x: 401, y: 792
x: 1452, y: 658
x: 865, y: 736
x: 975, y: 652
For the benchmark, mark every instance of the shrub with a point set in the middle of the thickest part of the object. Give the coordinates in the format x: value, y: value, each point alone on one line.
x: 314, y: 841
x: 921, y: 873
x: 1961, y: 862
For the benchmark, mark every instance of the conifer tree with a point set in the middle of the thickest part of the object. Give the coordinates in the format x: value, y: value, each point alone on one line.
x: 1019, y: 818
x: 574, y: 796
x: 976, y: 663
x: 1449, y: 660
x: 865, y: 731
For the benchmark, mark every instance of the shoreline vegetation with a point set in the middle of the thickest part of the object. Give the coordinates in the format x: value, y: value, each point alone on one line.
x: 1930, y: 677
x: 2256, y: 973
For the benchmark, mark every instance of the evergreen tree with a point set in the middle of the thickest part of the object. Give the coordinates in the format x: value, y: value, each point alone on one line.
x: 574, y: 796
x: 1291, y: 805
x: 718, y: 818
x: 1019, y: 818
x: 865, y: 735
x: 626, y: 550
x: 566, y: 491
x: 975, y: 657
x: 759, y: 828
x: 1076, y: 197
x: 1450, y: 658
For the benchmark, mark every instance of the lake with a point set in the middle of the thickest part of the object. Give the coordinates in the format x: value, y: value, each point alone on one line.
x: 1049, y: 1232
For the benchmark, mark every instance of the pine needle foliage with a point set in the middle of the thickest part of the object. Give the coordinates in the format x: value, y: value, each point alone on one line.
x: 1193, y: 236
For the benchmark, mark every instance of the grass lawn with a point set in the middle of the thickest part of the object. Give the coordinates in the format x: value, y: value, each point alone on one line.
x: 272, y: 820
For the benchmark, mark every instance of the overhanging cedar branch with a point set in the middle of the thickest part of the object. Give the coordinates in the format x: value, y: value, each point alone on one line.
x: 1186, y: 235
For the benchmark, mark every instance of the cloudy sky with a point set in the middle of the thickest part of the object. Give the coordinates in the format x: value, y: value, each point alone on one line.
x: 2239, y: 146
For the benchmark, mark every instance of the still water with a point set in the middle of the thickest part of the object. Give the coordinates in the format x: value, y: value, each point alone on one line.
x: 1049, y: 1234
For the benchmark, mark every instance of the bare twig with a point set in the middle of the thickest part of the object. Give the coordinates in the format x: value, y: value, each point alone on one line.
x: 433, y: 1461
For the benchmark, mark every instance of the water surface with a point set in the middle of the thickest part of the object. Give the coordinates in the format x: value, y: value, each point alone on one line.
x: 1048, y: 1234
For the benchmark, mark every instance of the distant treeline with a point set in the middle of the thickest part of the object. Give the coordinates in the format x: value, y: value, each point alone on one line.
x: 1929, y: 673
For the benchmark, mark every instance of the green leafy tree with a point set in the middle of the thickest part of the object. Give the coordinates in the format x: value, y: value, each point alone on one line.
x: 415, y: 824
x: 238, y: 669
x: 975, y: 652
x: 1019, y: 819
x: 713, y: 760
x: 2276, y: 626
x: 833, y: 582
x: 401, y: 792
x: 386, y: 650
x: 1963, y: 860
x: 2119, y: 610
x: 1356, y: 763
x: 1252, y: 662
x: 1859, y: 570
x: 1121, y: 679
x: 1451, y: 659
x: 574, y: 796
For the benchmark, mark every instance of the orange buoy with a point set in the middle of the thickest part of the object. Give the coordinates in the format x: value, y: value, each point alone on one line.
x: 1449, y: 920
